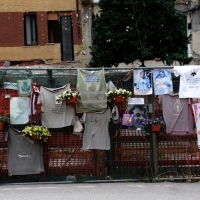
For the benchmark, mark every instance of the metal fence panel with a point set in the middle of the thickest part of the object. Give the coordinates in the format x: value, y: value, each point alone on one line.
x: 133, y: 155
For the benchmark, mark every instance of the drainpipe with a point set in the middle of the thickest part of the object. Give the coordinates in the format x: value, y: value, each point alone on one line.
x: 189, y: 22
x: 77, y: 19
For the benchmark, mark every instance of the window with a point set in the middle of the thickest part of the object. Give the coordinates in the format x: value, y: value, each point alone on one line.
x: 30, y: 30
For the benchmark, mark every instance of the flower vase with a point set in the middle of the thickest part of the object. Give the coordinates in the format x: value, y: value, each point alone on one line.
x: 1, y: 126
x: 72, y: 100
x: 34, y: 137
x: 119, y: 99
x: 155, y: 127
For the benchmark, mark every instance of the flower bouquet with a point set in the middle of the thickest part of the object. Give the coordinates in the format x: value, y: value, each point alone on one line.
x: 114, y: 94
x: 69, y: 96
x: 36, y: 132
x: 148, y: 124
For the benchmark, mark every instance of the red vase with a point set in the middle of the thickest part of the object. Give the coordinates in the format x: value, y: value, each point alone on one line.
x: 1, y: 126
x: 34, y: 137
x: 72, y: 100
x: 155, y: 127
x: 119, y: 99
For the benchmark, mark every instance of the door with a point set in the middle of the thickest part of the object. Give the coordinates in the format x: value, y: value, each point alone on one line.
x: 61, y: 32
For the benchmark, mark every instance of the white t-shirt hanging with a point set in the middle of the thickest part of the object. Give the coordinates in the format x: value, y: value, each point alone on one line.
x: 142, y: 82
x: 189, y: 80
x: 96, y: 134
x: 162, y: 80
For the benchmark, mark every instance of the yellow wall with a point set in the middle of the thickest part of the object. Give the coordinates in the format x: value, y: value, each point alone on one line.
x: 36, y: 5
x: 50, y: 53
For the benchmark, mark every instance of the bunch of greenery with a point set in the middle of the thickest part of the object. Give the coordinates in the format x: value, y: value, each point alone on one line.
x: 4, y: 119
x: 138, y: 30
x: 38, y: 132
x: 118, y: 92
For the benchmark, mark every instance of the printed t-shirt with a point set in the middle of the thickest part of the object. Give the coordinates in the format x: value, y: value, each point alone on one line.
x: 96, y: 133
x: 54, y: 114
x: 189, y: 81
x: 25, y: 156
x: 177, y: 114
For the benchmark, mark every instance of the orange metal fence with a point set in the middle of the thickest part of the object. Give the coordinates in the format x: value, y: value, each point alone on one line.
x: 133, y: 155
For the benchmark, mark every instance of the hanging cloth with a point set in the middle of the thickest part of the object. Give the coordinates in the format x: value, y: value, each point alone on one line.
x: 96, y: 133
x: 189, y: 86
x: 24, y: 87
x: 32, y: 111
x: 177, y: 114
x: 92, y: 87
x: 55, y: 114
x: 25, y: 156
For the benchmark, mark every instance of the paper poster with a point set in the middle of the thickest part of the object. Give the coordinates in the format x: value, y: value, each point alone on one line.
x: 196, y: 111
x: 19, y: 110
x: 132, y: 101
x: 142, y: 82
x: 9, y: 85
x: 162, y: 80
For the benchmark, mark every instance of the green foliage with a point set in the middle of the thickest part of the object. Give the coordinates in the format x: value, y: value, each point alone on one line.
x: 4, y: 119
x: 125, y: 31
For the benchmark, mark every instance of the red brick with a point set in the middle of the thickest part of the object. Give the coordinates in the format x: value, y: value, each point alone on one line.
x: 12, y: 29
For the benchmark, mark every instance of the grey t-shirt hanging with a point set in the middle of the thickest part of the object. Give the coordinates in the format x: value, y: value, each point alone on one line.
x: 54, y: 114
x: 25, y: 156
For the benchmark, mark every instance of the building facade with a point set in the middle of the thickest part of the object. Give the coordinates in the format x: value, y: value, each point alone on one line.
x: 55, y: 32
x: 35, y: 32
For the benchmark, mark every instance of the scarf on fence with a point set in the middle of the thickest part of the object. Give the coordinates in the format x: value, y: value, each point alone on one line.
x: 32, y: 111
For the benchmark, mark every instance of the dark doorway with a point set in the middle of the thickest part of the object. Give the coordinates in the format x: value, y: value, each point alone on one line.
x: 61, y: 32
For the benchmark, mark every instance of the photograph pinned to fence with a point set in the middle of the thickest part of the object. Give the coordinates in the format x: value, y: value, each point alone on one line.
x: 162, y: 80
x: 142, y: 82
x: 140, y: 112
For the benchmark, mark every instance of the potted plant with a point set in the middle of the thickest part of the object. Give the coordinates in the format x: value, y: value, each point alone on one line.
x: 153, y: 124
x: 3, y: 120
x: 118, y: 95
x: 69, y: 96
x: 36, y: 132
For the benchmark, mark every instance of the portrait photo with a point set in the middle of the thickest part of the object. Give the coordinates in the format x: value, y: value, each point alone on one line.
x: 140, y: 112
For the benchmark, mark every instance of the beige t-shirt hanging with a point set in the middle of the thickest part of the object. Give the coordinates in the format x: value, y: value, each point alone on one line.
x: 92, y: 86
x: 24, y: 87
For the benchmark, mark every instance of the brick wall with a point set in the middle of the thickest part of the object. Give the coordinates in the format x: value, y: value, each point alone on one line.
x: 12, y: 29
x: 35, y: 5
x: 77, y: 30
x: 42, y: 28
x: 47, y: 52
x: 12, y: 26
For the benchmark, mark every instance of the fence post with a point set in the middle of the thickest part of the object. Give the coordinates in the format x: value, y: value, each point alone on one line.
x: 50, y: 78
x: 154, y: 152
